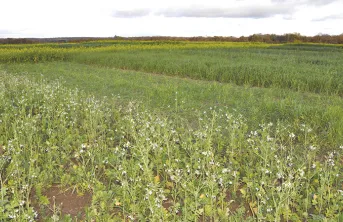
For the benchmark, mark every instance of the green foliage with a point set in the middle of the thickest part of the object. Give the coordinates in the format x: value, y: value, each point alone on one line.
x: 300, y: 67
x: 153, y: 147
x: 135, y: 161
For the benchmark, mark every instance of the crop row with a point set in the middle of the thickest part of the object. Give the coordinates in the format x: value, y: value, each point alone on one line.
x: 142, y: 166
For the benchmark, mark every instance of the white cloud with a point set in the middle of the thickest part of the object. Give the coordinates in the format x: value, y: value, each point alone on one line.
x: 104, y: 18
x: 329, y: 17
x: 4, y: 32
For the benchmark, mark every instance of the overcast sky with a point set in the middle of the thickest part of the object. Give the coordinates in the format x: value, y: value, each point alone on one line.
x: 107, y: 18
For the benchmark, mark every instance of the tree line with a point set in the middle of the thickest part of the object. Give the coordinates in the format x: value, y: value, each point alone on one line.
x: 267, y: 38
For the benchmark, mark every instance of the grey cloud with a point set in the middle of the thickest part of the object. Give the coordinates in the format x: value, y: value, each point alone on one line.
x: 286, y: 8
x: 320, y: 2
x: 305, y: 2
x: 131, y: 13
x: 213, y: 12
x: 243, y: 12
x: 330, y: 17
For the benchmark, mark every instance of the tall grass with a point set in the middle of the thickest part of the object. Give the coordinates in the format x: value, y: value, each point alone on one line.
x: 305, y: 68
x: 309, y: 68
x: 299, y: 70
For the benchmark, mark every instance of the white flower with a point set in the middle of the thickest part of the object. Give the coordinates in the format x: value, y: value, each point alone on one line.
x: 291, y: 135
x: 127, y: 144
x: 302, y: 173
x: 312, y: 148
x: 288, y: 184
x: 279, y: 175
x: 254, y: 133
x: 331, y: 162
x: 154, y: 146
x: 220, y: 181
x: 234, y: 174
x: 225, y: 170
x: 22, y: 203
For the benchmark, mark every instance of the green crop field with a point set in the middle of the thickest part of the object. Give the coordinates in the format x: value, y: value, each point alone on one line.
x: 171, y: 131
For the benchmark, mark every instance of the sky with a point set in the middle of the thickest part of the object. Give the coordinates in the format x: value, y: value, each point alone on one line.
x: 107, y: 18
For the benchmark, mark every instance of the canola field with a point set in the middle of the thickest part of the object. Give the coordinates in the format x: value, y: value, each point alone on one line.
x: 171, y: 131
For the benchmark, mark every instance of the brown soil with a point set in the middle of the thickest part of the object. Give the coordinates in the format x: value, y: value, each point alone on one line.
x: 2, y: 150
x: 236, y: 204
x: 167, y: 203
x: 63, y: 201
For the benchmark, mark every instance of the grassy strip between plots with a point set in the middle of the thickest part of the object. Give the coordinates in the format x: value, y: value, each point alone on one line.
x: 139, y: 165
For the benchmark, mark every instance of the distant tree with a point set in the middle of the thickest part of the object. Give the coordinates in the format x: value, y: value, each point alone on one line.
x: 268, y: 38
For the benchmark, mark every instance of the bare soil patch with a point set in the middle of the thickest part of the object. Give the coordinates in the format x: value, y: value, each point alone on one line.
x: 63, y: 202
